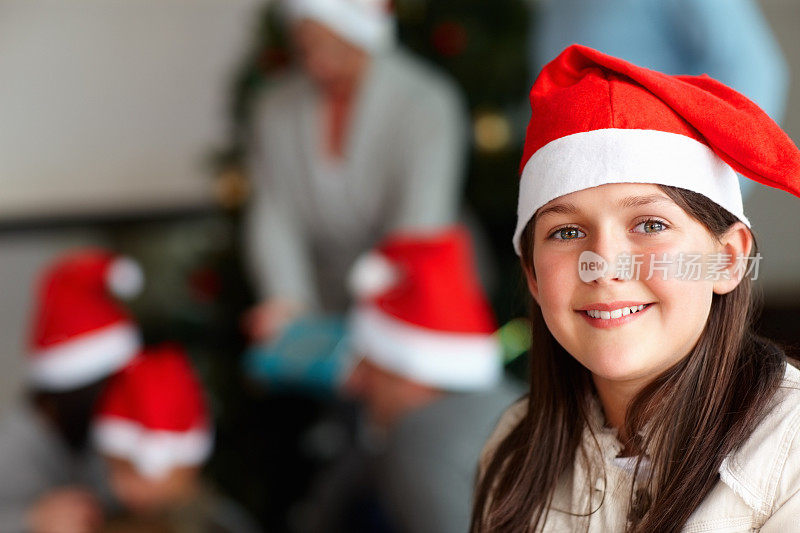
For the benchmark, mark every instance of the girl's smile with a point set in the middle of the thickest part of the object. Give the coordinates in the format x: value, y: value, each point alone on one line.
x: 613, y: 314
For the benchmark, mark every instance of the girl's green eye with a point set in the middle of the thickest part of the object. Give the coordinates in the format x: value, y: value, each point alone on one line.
x: 652, y: 226
x: 567, y: 234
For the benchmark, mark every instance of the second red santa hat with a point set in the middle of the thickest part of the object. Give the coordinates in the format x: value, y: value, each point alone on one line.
x: 153, y: 413
x: 596, y: 119
x: 422, y: 313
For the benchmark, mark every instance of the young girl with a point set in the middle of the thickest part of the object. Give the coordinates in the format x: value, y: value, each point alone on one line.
x: 652, y: 406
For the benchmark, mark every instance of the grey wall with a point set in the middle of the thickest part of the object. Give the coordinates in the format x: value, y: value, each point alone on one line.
x: 114, y: 105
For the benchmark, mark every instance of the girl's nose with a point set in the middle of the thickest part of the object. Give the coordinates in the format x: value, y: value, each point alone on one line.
x: 617, y: 254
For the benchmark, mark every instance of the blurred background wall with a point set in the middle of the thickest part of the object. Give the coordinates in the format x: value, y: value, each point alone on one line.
x: 113, y: 106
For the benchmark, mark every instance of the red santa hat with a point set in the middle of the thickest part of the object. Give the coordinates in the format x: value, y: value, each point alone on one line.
x: 421, y: 312
x: 368, y: 24
x: 597, y: 119
x: 80, y: 333
x: 153, y: 414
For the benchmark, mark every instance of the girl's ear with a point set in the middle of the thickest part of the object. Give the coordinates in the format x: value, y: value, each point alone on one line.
x: 533, y: 287
x: 735, y: 244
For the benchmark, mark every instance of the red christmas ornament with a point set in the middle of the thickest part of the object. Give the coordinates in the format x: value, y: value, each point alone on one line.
x: 449, y: 39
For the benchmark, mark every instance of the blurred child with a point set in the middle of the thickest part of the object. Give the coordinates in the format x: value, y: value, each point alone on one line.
x: 429, y: 375
x: 49, y: 478
x: 154, y: 431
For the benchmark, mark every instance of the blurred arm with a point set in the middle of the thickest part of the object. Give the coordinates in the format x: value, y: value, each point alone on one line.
x: 30, y: 470
x: 20, y: 476
x: 428, y: 490
x: 276, y: 246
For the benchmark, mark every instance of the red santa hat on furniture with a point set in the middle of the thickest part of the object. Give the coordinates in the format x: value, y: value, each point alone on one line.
x: 153, y: 414
x: 368, y: 24
x: 80, y: 332
x: 421, y: 312
x: 597, y: 119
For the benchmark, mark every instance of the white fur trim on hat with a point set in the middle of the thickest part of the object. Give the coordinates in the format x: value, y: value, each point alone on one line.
x: 367, y: 24
x: 451, y: 361
x: 153, y: 452
x: 85, y: 358
x: 598, y: 157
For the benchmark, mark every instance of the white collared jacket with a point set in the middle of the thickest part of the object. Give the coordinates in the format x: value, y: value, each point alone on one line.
x: 758, y: 488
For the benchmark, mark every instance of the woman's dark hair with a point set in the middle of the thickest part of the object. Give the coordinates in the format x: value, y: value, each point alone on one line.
x: 696, y: 412
x: 70, y: 412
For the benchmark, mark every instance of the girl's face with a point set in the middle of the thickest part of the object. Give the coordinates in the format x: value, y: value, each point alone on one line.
x: 642, y: 223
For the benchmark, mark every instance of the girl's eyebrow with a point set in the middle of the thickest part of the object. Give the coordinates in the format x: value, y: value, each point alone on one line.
x: 628, y: 202
x: 563, y: 209
x: 639, y: 201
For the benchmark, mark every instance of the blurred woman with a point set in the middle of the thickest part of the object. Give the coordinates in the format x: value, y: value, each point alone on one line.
x: 360, y: 139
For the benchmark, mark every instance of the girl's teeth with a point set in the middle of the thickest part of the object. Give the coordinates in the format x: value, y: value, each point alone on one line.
x: 616, y: 313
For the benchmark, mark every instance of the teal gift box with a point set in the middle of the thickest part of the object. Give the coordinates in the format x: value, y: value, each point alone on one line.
x: 312, y: 354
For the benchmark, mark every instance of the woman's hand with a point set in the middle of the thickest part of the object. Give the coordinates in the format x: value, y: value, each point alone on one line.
x: 267, y: 320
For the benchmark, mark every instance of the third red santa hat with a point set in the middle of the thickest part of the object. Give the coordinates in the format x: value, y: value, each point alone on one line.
x: 81, y: 333
x: 153, y: 414
x: 597, y: 119
x: 422, y: 313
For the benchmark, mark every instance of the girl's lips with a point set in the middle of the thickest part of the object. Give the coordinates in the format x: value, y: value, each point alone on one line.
x: 613, y: 322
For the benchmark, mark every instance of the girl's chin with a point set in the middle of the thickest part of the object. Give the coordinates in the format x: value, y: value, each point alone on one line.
x: 616, y: 367
x: 621, y: 375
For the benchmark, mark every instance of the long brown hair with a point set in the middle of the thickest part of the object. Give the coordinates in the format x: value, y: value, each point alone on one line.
x: 697, y: 412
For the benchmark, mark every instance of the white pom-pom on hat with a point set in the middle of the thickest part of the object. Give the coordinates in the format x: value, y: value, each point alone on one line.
x: 371, y: 275
x: 125, y: 278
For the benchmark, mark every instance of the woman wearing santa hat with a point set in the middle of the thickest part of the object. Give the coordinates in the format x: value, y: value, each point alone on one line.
x: 49, y: 480
x: 652, y: 405
x: 359, y: 140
